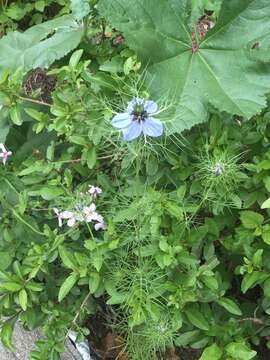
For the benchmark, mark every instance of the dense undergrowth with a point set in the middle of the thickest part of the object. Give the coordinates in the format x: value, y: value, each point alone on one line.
x: 136, y: 174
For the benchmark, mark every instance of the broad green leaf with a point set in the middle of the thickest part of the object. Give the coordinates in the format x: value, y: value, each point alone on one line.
x: 117, y: 298
x: 210, y: 281
x: 97, y: 261
x: 91, y: 157
x: 230, y: 305
x: 37, y: 115
x: 23, y: 299
x: 113, y: 65
x: 15, y: 115
x: 212, y: 352
x: 6, y: 334
x: 51, y: 192
x: 40, y: 45
x: 77, y: 139
x: 75, y: 58
x: 266, y: 236
x: 67, y: 258
x: 40, y: 5
x: 94, y: 281
x: 34, y: 286
x: 266, y: 204
x: 266, y: 288
x: 257, y: 258
x: 80, y: 8
x: 250, y: 280
x: 240, y: 351
x: 260, y: 50
x: 186, y: 338
x: 67, y: 286
x: 251, y: 219
x: 10, y: 286
x: 196, y: 318
x: 216, y: 70
x: 5, y: 259
x: 4, y: 128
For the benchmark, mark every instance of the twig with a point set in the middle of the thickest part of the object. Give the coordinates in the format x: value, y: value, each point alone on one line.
x: 105, y: 157
x: 79, y: 160
x: 68, y: 161
x: 74, y: 321
x: 34, y: 101
x: 254, y: 320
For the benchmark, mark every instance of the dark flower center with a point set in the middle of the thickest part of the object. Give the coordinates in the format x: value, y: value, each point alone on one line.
x: 139, y: 116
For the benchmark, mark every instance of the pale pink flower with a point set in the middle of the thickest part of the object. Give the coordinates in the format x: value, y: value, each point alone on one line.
x: 4, y: 155
x: 65, y: 215
x: 59, y: 217
x: 71, y: 218
x: 94, y: 190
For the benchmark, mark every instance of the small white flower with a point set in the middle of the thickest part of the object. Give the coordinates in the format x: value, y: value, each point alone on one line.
x: 90, y: 213
x: 100, y: 226
x: 65, y: 215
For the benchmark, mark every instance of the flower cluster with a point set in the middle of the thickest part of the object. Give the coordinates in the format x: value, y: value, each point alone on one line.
x: 218, y: 169
x: 82, y: 212
x: 138, y: 119
x: 5, y: 154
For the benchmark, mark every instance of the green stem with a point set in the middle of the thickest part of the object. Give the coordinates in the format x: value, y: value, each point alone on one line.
x: 11, y: 186
x: 90, y: 231
x: 27, y: 224
x: 137, y: 198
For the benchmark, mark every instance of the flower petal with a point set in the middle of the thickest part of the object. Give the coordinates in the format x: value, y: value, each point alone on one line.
x: 66, y: 214
x: 133, y: 103
x: 92, y: 207
x: 133, y: 131
x: 99, y: 218
x: 121, y: 120
x: 71, y: 222
x: 2, y: 147
x: 152, y: 127
x: 150, y: 106
x: 56, y: 211
x: 100, y: 226
x: 91, y: 216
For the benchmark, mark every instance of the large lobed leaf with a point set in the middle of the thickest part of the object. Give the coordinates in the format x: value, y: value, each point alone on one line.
x: 216, y: 70
x: 40, y: 45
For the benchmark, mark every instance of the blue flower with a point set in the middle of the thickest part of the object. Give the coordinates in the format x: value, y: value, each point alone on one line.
x: 137, y: 120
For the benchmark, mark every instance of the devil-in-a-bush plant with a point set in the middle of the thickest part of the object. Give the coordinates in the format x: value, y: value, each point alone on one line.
x: 138, y: 188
